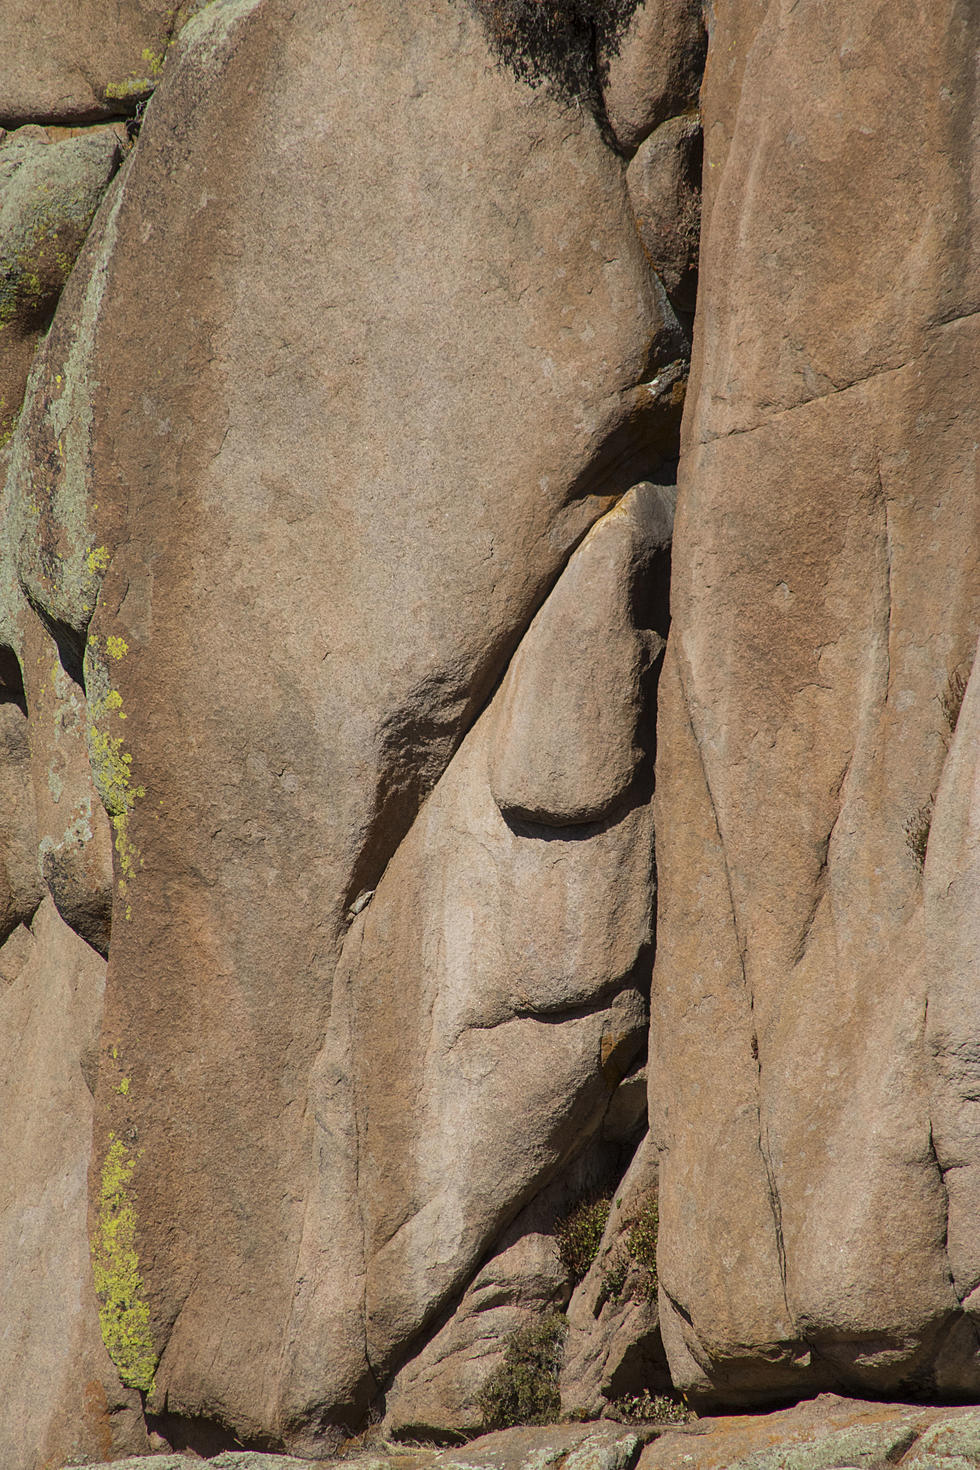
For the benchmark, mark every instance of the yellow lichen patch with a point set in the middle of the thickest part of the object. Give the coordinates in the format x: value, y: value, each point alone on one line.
x: 130, y: 91
x: 97, y: 559
x: 111, y: 767
x: 111, y: 762
x: 123, y: 1314
x: 126, y: 851
x: 153, y: 60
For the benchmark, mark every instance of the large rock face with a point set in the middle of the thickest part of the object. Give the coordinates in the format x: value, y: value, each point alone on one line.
x: 817, y: 1180
x: 339, y: 383
x: 334, y: 587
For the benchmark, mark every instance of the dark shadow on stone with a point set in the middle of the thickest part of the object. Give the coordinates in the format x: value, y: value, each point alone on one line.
x: 643, y: 1367
x: 11, y: 681
x: 69, y: 642
x: 203, y: 1436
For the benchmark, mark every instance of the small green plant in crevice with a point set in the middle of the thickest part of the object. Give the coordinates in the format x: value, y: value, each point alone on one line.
x: 579, y: 1234
x: 614, y: 1276
x: 524, y: 1389
x: 639, y: 1249
x: 917, y: 830
x: 641, y: 1242
x: 652, y: 1408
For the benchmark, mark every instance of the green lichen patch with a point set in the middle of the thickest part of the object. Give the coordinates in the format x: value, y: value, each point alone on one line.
x: 134, y: 89
x: 124, y: 1316
x: 33, y: 276
x: 8, y: 422
x: 128, y: 855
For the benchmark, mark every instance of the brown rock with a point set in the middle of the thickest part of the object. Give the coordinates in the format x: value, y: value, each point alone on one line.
x: 21, y: 888
x: 66, y: 61
x: 825, y: 585
x: 952, y: 946
x: 73, y: 846
x: 437, y: 1392
x: 62, y: 1399
x: 656, y: 70
x: 664, y: 180
x: 296, y: 415
x: 614, y: 1347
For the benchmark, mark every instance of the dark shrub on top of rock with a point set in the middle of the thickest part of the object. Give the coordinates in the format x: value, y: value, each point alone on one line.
x: 565, y: 42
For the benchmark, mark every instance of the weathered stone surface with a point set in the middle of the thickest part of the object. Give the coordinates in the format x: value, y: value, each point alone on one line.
x: 445, y: 1100
x: 438, y: 1389
x: 72, y: 61
x: 580, y: 1446
x: 50, y: 188
x: 951, y: 1444
x: 228, y: 1460
x: 21, y: 888
x: 338, y: 624
x: 656, y: 71
x: 664, y: 180
x: 827, y: 1433
x: 62, y: 1398
x: 292, y: 413
x: 817, y: 1434
x: 825, y: 587
x: 951, y: 884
